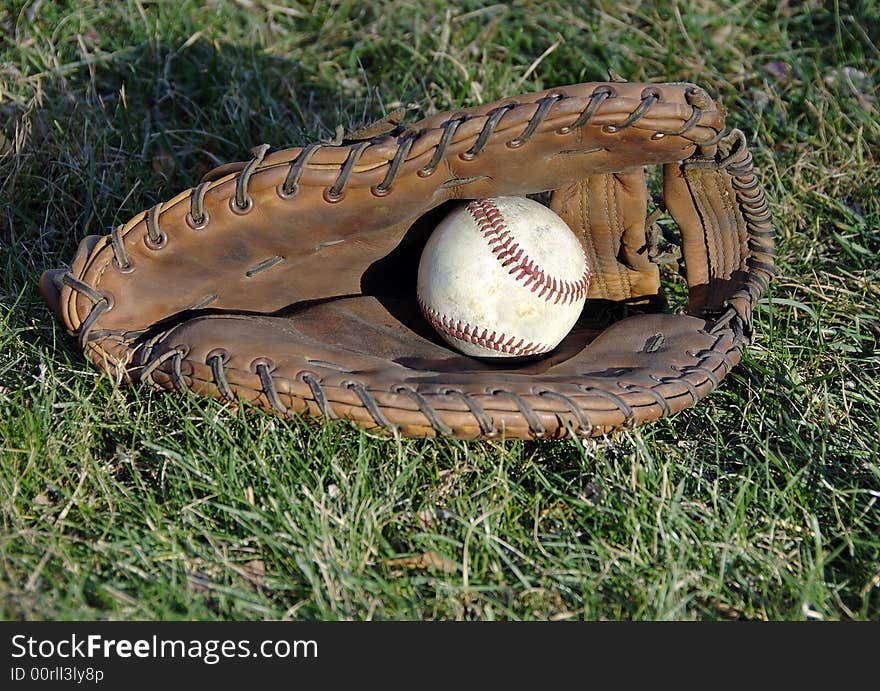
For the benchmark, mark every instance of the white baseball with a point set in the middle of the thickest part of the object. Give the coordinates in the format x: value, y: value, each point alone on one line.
x: 503, y: 277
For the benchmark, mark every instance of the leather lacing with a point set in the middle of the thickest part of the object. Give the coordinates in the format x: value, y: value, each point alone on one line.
x: 487, y: 427
x: 684, y: 381
x: 629, y: 416
x: 426, y: 408
x: 706, y: 373
x: 320, y: 397
x: 335, y: 192
x: 290, y: 186
x: 656, y: 395
x: 269, y: 389
x: 146, y: 374
x: 536, y: 427
x: 217, y: 360
x: 101, y: 304
x: 584, y: 426
x: 370, y: 404
x: 760, y: 235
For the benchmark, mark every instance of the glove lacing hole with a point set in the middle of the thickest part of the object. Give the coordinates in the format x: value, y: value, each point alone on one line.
x: 241, y: 210
x: 221, y: 353
x: 256, y: 363
x: 200, y: 224
x: 285, y: 194
x: 160, y: 242
x: 123, y: 268
x: 332, y: 197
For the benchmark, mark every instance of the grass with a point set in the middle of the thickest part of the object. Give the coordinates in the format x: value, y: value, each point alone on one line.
x: 759, y: 503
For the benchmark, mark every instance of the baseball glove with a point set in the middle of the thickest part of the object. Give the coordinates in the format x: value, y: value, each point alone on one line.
x: 289, y: 280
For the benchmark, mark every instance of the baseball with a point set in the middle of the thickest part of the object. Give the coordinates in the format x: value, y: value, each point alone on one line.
x: 503, y: 277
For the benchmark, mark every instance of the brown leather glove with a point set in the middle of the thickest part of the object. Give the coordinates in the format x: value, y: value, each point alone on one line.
x: 289, y: 280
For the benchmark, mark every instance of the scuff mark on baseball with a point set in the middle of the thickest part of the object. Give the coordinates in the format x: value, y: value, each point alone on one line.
x: 502, y: 277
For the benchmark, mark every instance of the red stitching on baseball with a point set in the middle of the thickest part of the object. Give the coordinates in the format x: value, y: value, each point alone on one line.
x: 481, y: 337
x: 491, y: 223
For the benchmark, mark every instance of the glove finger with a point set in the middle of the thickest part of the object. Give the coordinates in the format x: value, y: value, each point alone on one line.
x: 607, y: 212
